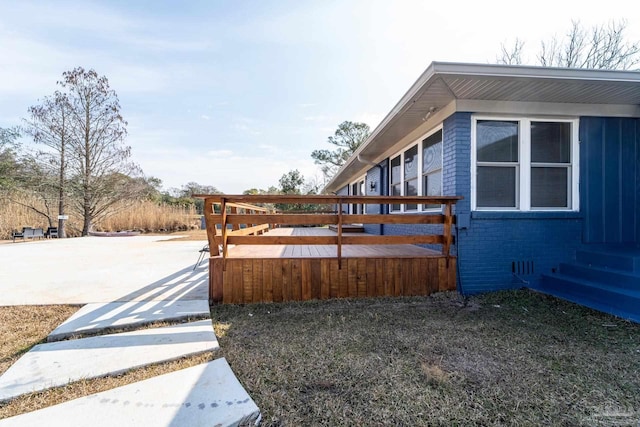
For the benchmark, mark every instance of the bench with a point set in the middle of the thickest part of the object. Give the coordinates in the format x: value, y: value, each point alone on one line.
x: 28, y: 233
x: 15, y: 234
x: 51, y: 232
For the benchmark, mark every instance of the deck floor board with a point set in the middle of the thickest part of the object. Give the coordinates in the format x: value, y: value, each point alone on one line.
x: 325, y: 251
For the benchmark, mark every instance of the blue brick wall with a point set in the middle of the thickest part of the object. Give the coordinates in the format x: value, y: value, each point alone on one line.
x: 489, y: 243
x: 495, y: 240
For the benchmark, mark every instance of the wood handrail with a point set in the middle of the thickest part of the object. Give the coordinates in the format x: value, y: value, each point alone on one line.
x: 328, y: 199
x: 242, y: 220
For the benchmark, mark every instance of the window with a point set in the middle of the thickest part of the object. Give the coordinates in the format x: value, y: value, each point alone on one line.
x: 525, y: 164
x: 550, y: 164
x: 432, y: 167
x: 417, y: 171
x: 357, y: 189
x: 396, y: 180
x: 411, y: 176
x: 497, y: 157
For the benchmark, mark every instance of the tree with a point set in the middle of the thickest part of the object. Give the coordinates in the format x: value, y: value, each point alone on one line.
x: 347, y: 138
x: 511, y: 55
x: 37, y: 181
x: 191, y: 188
x: 50, y: 124
x: 99, y: 159
x: 598, y: 47
x: 9, y: 164
x: 291, y: 182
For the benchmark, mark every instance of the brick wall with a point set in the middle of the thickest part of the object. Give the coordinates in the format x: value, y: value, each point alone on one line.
x: 490, y: 245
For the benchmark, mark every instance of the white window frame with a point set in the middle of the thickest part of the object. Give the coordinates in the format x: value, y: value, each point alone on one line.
x: 423, y: 190
x: 524, y: 164
x: 419, y: 143
x: 361, y: 182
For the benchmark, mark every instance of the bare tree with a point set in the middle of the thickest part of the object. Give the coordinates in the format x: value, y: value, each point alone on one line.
x: 50, y: 124
x: 599, y: 47
x: 99, y: 158
x: 511, y: 55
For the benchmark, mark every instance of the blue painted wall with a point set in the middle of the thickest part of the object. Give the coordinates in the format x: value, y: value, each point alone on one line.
x: 500, y: 250
x: 505, y: 250
x: 610, y: 179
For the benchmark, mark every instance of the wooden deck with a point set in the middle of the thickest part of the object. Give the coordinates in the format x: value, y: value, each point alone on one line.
x: 325, y: 251
x: 275, y: 273
x: 258, y: 255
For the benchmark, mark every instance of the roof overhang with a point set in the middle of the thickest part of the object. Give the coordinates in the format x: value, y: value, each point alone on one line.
x: 445, y: 88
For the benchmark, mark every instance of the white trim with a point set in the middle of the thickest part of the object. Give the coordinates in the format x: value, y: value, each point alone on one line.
x: 523, y: 168
x: 361, y: 180
x: 547, y: 108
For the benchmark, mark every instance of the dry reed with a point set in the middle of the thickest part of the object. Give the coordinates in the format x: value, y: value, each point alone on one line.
x: 146, y: 216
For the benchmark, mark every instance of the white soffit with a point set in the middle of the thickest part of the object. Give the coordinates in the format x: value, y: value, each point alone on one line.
x: 442, y: 83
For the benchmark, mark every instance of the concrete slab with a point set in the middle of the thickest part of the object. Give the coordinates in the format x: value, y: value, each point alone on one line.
x: 101, y: 269
x: 203, y: 395
x: 55, y: 364
x: 99, y: 317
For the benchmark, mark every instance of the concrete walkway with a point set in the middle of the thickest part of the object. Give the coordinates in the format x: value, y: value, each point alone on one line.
x: 101, y: 269
x: 126, y: 282
x: 101, y: 317
x: 203, y: 395
x: 59, y: 363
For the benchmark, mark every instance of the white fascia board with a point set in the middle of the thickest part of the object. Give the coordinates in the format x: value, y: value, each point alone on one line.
x: 547, y: 108
x: 537, y: 72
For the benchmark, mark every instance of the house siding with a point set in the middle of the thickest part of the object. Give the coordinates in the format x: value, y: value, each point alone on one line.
x: 610, y: 179
x: 490, y: 245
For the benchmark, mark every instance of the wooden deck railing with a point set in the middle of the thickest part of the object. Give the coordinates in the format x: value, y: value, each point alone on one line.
x: 240, y: 220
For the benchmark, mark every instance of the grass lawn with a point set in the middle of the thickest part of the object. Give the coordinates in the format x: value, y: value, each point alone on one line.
x: 509, y: 358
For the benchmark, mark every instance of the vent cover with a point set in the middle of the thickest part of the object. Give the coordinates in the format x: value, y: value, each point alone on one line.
x: 522, y: 267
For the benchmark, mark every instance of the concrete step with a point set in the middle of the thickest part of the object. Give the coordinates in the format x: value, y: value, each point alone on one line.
x: 618, y: 258
x: 55, y: 364
x: 615, y: 278
x: 619, y: 302
x: 203, y: 395
x: 101, y: 317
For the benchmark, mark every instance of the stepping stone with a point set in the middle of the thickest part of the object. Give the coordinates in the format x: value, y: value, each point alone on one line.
x: 203, y: 395
x: 94, y: 318
x: 55, y: 364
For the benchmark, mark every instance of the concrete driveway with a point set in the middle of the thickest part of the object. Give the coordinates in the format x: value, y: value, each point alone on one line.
x: 101, y: 269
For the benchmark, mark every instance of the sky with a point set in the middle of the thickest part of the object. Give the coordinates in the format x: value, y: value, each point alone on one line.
x: 235, y: 93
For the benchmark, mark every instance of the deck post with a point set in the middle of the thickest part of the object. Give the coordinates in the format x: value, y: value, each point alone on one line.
x: 448, y: 221
x: 211, y: 227
x: 223, y: 213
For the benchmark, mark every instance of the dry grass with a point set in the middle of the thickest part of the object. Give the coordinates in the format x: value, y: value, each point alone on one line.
x: 148, y: 216
x: 22, y: 327
x: 510, y: 358
x: 144, y: 216
x: 188, y: 236
x: 514, y: 358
